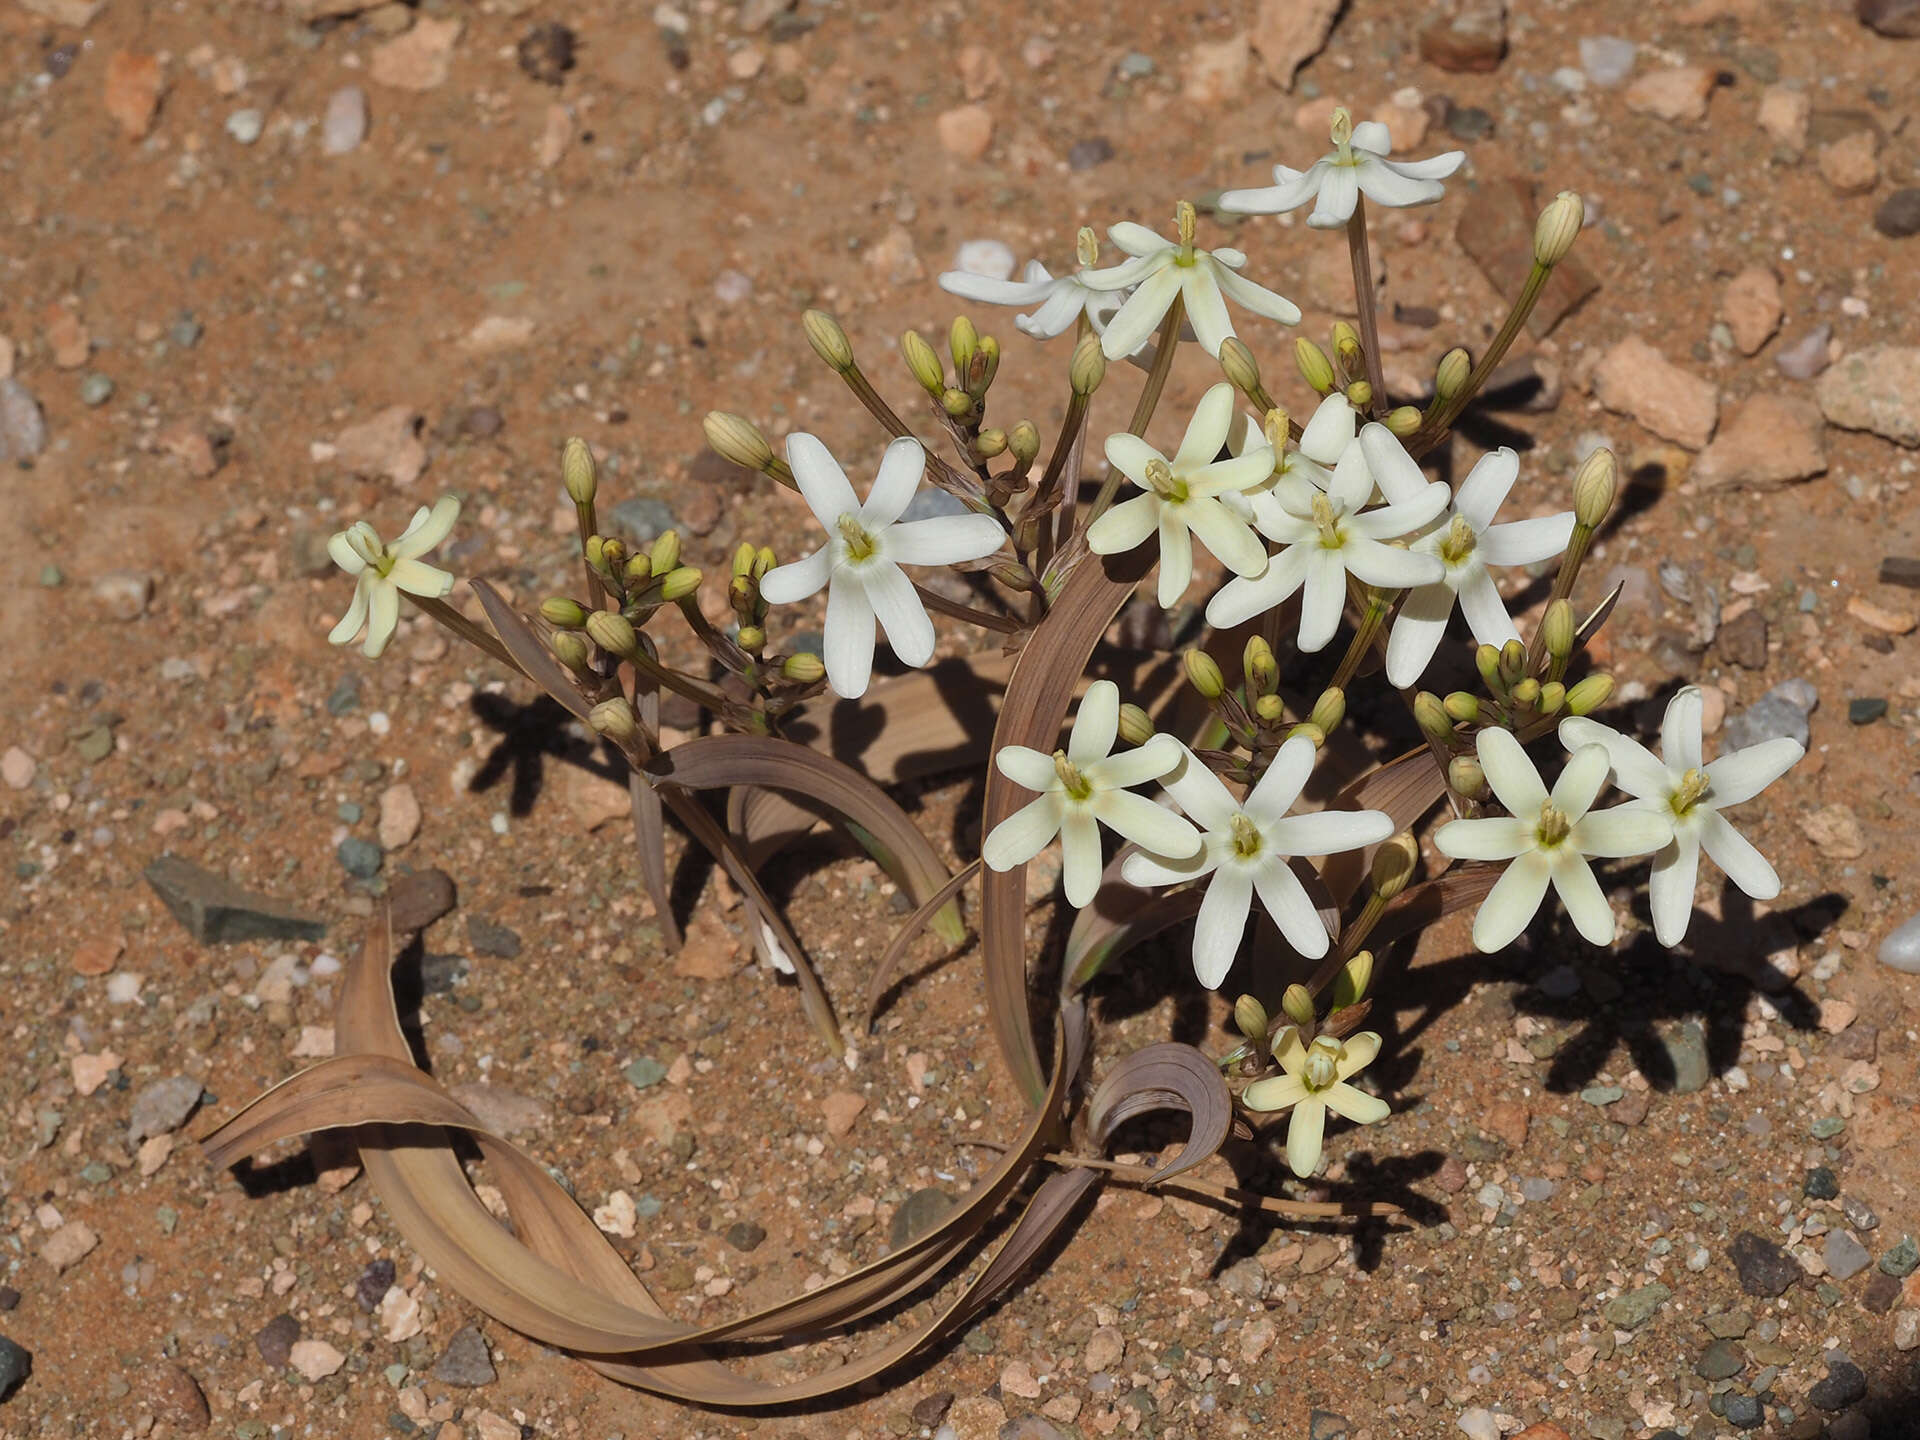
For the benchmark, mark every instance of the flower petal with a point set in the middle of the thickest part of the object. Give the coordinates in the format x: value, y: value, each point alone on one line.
x: 1226, y: 535
x: 1486, y: 487
x: 943, y: 540
x: 416, y: 577
x: 1150, y: 871
x: 1515, y: 780
x: 1359, y: 1052
x: 1675, y: 869
x: 428, y: 529
x: 1512, y: 902
x: 1240, y: 599
x: 798, y: 579
x: 1066, y: 298
x: 1198, y: 791
x: 1258, y: 299
x: 1355, y: 1104
x: 1323, y: 598
x: 1136, y: 239
x: 1635, y: 770
x: 1136, y: 320
x: 383, y: 617
x: 1229, y: 477
x: 1097, y: 724
x: 1339, y: 193
x: 1080, y: 862
x: 1735, y: 854
x: 1291, y: 189
x: 1417, y: 632
x: 1206, y: 306
x: 1023, y: 834
x: 1150, y: 826
x: 1680, y: 729
x: 1176, y: 556
x: 1329, y: 832
x: 1206, y: 431
x: 356, y: 616
x: 1284, y: 898
x: 1132, y: 455
x: 1496, y: 837
x: 849, y: 636
x: 893, y: 486
x: 1622, y: 831
x: 1026, y: 767
x: 1580, y: 892
x: 1372, y: 135
x: 1330, y: 430
x: 1221, y: 924
x: 1437, y: 167
x: 1158, y: 757
x: 1485, y: 612
x: 1388, y: 566
x: 986, y: 290
x: 1739, y: 775
x: 1305, y: 1129
x: 1276, y: 1092
x: 895, y: 605
x: 823, y: 484
x: 1384, y: 185
x: 342, y: 553
x: 1526, y: 542
x: 1287, y: 775
x: 1581, y: 781
x: 1396, y: 472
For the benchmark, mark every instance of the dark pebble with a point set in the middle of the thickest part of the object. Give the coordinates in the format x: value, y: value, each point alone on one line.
x: 1744, y: 642
x: 215, y: 911
x: 440, y: 973
x: 1901, y: 1260
x: 1086, y: 154
x: 419, y: 899
x: 1846, y: 1384
x: 932, y: 1409
x: 9, y: 1298
x: 1325, y: 1425
x: 1744, y: 1412
x: 465, y: 1361
x: 746, y: 1236
x: 345, y: 695
x: 545, y: 52
x: 1900, y: 570
x: 1765, y: 1269
x: 490, y: 937
x: 1423, y: 317
x: 1882, y: 1292
x: 360, y: 857
x: 16, y: 1363
x: 176, y: 1397
x: 482, y: 422
x: 60, y: 60
x: 1721, y: 1360
x: 1897, y: 19
x: 373, y: 1284
x: 1866, y: 709
x: 1899, y: 214
x: 918, y: 1213
x: 1821, y: 1184
x: 274, y: 1340
x: 1469, y: 122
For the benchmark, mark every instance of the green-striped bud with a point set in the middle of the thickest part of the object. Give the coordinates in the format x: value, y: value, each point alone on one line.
x: 613, y: 555
x: 1403, y: 420
x: 1136, y: 728
x: 1526, y: 694
x: 1513, y: 663
x: 1360, y: 395
x: 577, y: 471
x: 1558, y: 227
x: 666, y: 551
x: 923, y: 364
x: 1486, y: 659
x: 1346, y: 346
x: 734, y: 438
x: 1466, y: 778
x: 1270, y: 709
x: 1463, y: 707
x: 680, y: 583
x: 1024, y: 441
x: 1393, y: 865
x: 963, y: 342
x: 1553, y: 695
x: 763, y: 561
x: 567, y: 614
x: 1590, y: 694
x: 1351, y: 984
x: 806, y: 668
x: 1262, y: 670
x: 1315, y: 368
x: 1329, y: 710
x: 1014, y: 576
x: 751, y: 638
x: 1594, y: 487
x: 990, y: 443
x: 956, y: 403
x: 1450, y: 375
x: 1250, y: 1019
x: 986, y: 365
x: 612, y: 632
x: 1239, y: 366
x: 829, y: 341
x: 1308, y: 730
x: 614, y: 719
x: 638, y: 570
x: 1203, y: 673
x: 743, y: 554
x: 1088, y: 367
x: 1297, y: 1002
x: 1431, y: 716
x: 1556, y: 630
x: 571, y: 649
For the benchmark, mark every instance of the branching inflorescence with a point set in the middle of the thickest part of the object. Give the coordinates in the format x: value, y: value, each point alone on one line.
x: 1320, y: 528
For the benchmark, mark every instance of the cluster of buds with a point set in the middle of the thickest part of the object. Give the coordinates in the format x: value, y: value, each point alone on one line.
x: 1253, y: 714
x: 1347, y: 1006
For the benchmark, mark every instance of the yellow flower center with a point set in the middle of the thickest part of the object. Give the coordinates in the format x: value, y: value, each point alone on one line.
x: 1459, y: 541
x: 1328, y: 523
x: 1076, y: 784
x: 1323, y: 1062
x: 1553, y: 827
x: 1693, y: 785
x: 1164, y: 483
x: 860, y: 542
x: 1342, y: 134
x: 1187, y: 219
x: 1086, y: 247
x: 1247, y: 839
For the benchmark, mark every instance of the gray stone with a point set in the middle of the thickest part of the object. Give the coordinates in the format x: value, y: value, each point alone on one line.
x: 1899, y: 214
x: 274, y: 1340
x: 1765, y: 1269
x: 16, y: 1363
x: 23, y: 432
x: 1783, y: 710
x: 374, y: 1282
x: 1721, y: 1360
x: 918, y: 1213
x: 1087, y: 154
x: 645, y: 1073
x: 123, y: 594
x: 1901, y: 1260
x: 490, y: 937
x: 1246, y: 1279
x: 1900, y: 950
x: 1745, y: 1413
x: 1896, y: 19
x: 215, y: 911
x: 163, y: 1107
x: 96, y: 389
x: 1859, y: 1214
x: 1846, y: 1384
x: 1325, y: 1425
x: 1875, y: 389
x: 345, y: 125
x: 1807, y: 356
x: 641, y: 519
x: 1607, y: 59
x: 1846, y: 1257
x: 1686, y: 1051
x: 360, y: 857
x: 746, y: 1236
x: 1633, y: 1309
x: 465, y: 1362
x: 420, y: 899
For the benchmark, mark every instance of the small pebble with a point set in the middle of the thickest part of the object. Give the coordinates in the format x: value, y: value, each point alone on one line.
x: 96, y: 389
x: 1900, y: 950
x: 1901, y: 1260
x: 16, y: 1364
x: 1899, y: 214
x: 345, y: 125
x: 1866, y: 709
x: 992, y: 258
x: 1607, y: 59
x: 1087, y: 154
x: 246, y: 125
x: 359, y: 857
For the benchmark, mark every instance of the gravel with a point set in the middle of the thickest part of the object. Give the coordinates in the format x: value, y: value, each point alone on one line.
x: 1765, y: 1269
x: 1846, y: 1384
x: 1900, y: 949
x: 1607, y: 59
x: 163, y: 1107
x: 1899, y: 214
x: 23, y: 433
x: 16, y: 1363
x: 1783, y: 710
x: 275, y: 1339
x: 465, y: 1361
x: 215, y: 911
x: 491, y: 938
x: 1846, y: 1257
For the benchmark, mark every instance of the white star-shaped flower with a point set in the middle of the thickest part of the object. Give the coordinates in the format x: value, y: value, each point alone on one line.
x: 1060, y: 300
x: 1183, y: 498
x: 1083, y: 787
x: 860, y: 563
x: 1315, y: 1081
x: 1336, y: 537
x: 1691, y: 795
x: 1357, y: 165
x: 382, y: 571
x: 1245, y: 848
x: 1467, y: 541
x: 1304, y: 468
x: 1162, y: 269
x: 1547, y: 838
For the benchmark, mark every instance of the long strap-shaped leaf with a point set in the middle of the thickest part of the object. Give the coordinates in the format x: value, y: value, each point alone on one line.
x: 1167, y: 1076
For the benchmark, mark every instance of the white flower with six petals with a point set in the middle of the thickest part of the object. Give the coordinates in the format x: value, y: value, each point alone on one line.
x: 1314, y: 1080
x: 1058, y: 300
x: 1183, y: 498
x: 382, y: 571
x: 1467, y: 541
x: 1690, y: 794
x: 1357, y: 165
x: 1245, y: 848
x: 1546, y: 838
x: 860, y: 563
x: 1083, y: 787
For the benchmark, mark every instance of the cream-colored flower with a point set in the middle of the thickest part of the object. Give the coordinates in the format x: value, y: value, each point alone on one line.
x: 382, y: 571
x: 1315, y: 1081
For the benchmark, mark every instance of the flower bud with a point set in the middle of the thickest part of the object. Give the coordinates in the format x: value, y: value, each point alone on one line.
x: 1315, y: 368
x: 956, y: 403
x: 1553, y: 695
x: 1262, y: 670
x: 1557, y: 228
x: 1360, y: 395
x: 1450, y: 375
x: 1270, y: 709
x: 1250, y: 1019
x: 1526, y: 694
x: 1238, y: 365
x: 1590, y: 694
x: 1016, y: 578
x: 751, y: 637
x: 567, y: 614
x: 738, y: 440
x: 1204, y: 674
x: 806, y: 668
x: 639, y: 570
x: 1024, y: 441
x: 1431, y: 716
x: 1513, y: 663
x: 1298, y: 1003
x: 1135, y: 726
x: 1086, y: 247
x: 1351, y: 984
x: 963, y: 341
x: 1486, y: 659
x: 743, y: 558
x: 666, y: 551
x: 763, y: 561
x: 614, y: 719
x: 571, y: 649
x: 1089, y: 366
x: 1594, y: 486
x: 829, y: 341
x: 986, y: 365
x: 577, y: 471
x: 1403, y: 421
x: 595, y: 550
x: 990, y: 443
x: 1329, y: 710
x: 1556, y: 630
x: 1346, y: 344
x: 680, y: 583
x: 1393, y: 864
x: 612, y: 632
x: 1466, y: 778
x: 1462, y: 707
x: 1309, y: 731
x: 613, y: 555
x: 923, y: 364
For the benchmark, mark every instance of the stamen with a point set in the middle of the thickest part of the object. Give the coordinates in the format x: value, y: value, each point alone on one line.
x: 1247, y: 838
x: 1164, y: 483
x: 1693, y: 785
x: 1328, y: 523
x: 1087, y: 247
x: 1071, y: 780
x: 1342, y: 130
x: 1187, y: 218
x: 1553, y: 826
x: 860, y: 541
x: 1323, y: 1062
x: 1459, y: 542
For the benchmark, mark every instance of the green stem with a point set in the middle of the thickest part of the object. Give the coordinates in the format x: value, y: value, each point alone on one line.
x: 1149, y: 400
x: 1435, y: 425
